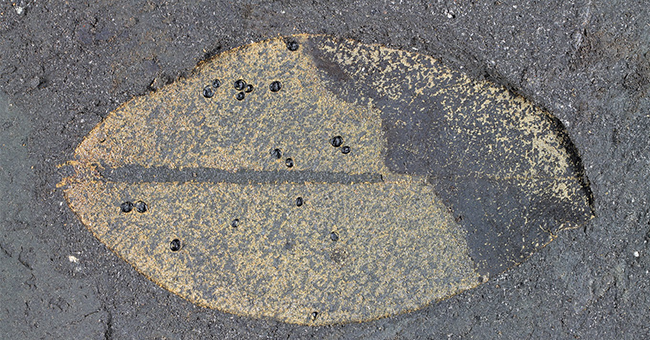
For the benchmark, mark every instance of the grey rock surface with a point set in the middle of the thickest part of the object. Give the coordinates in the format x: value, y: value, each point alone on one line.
x: 65, y: 65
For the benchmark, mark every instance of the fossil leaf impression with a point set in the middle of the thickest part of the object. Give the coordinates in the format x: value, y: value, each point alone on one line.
x: 318, y: 181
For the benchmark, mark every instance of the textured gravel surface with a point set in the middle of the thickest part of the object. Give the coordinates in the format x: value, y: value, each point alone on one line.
x: 65, y: 65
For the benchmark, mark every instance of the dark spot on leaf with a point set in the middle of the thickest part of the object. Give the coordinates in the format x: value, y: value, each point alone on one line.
x: 140, y: 206
x: 175, y: 245
x: 292, y: 45
x: 338, y: 255
x: 337, y: 141
x: 240, y: 84
x: 275, y: 86
x: 126, y: 207
x: 207, y: 92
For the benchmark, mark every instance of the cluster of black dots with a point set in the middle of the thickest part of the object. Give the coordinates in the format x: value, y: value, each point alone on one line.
x: 208, y: 91
x: 128, y: 206
x: 241, y: 86
x: 337, y: 141
x: 141, y: 207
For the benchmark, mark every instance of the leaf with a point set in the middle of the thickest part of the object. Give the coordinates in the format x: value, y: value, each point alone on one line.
x: 432, y: 182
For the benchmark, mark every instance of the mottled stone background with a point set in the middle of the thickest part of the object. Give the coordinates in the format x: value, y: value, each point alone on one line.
x: 65, y: 65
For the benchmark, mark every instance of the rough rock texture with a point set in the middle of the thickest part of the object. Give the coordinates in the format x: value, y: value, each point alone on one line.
x: 66, y: 65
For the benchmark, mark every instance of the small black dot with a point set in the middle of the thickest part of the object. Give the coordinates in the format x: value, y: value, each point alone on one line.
x: 207, y: 92
x: 240, y: 84
x: 216, y: 83
x: 276, y: 153
x: 336, y: 141
x: 289, y: 163
x: 235, y: 223
x: 314, y: 315
x: 299, y: 201
x: 292, y: 45
x: 480, y: 279
x: 249, y: 88
x: 334, y: 236
x: 240, y: 96
x: 175, y: 245
x: 275, y: 86
x: 140, y: 206
x: 345, y: 150
x: 126, y: 206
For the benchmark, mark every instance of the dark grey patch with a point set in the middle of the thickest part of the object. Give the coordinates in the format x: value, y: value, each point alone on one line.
x: 140, y: 174
x: 338, y: 255
x: 505, y: 222
x: 331, y: 69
